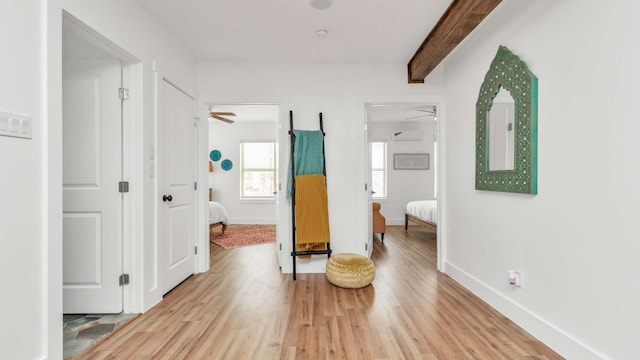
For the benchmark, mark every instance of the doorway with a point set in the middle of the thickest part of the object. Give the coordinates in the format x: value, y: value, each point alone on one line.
x: 393, y: 130
x: 92, y: 172
x: 245, y: 182
x: 92, y: 216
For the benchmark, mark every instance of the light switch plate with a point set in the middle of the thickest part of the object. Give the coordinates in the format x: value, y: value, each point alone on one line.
x: 15, y: 125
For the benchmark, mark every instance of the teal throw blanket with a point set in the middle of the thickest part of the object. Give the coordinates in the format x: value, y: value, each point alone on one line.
x: 307, y: 155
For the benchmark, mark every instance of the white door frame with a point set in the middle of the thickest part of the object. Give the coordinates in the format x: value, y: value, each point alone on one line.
x: 368, y: 188
x: 441, y: 240
x: 201, y: 205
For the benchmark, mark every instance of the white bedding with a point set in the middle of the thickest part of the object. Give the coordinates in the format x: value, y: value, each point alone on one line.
x: 217, y: 213
x: 424, y: 209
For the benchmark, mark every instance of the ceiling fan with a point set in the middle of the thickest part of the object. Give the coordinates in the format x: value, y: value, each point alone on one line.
x: 429, y: 112
x: 220, y: 115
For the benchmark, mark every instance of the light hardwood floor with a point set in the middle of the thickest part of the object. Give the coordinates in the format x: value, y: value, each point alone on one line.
x: 243, y: 308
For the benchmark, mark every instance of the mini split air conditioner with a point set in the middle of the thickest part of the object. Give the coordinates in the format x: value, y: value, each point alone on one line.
x: 408, y: 135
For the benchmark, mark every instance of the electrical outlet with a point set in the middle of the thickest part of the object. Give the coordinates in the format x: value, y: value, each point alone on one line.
x: 514, y: 278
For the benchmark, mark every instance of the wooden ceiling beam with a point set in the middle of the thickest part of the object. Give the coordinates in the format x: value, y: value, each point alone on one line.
x: 456, y: 23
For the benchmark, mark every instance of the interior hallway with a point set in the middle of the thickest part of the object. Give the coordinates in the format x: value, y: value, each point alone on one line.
x: 243, y: 308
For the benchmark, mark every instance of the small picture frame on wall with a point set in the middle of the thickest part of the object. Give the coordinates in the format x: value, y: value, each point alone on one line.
x: 411, y: 161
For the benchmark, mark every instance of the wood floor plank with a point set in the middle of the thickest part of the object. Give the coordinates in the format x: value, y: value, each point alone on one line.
x: 244, y: 308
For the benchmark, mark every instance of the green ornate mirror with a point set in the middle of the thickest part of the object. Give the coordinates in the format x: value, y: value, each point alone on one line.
x: 507, y: 127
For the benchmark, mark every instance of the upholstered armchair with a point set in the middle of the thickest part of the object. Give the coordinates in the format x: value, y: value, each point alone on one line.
x: 379, y: 222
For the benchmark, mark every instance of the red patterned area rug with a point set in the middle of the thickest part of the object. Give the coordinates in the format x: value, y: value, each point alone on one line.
x: 243, y: 235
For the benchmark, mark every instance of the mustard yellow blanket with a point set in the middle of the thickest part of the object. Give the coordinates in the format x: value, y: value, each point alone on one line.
x: 312, y: 214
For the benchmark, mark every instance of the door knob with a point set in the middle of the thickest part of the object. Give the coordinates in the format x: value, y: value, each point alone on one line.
x: 167, y: 197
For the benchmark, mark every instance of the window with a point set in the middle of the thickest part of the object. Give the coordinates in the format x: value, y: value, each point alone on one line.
x: 379, y: 169
x: 258, y: 170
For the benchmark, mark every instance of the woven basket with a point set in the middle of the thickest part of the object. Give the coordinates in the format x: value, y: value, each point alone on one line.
x: 351, y: 271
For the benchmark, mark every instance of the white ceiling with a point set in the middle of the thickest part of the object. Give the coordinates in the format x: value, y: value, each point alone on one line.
x: 284, y: 31
x: 359, y: 31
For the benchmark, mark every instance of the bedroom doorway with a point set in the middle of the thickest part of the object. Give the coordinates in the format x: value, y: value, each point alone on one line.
x: 245, y: 176
x: 395, y: 131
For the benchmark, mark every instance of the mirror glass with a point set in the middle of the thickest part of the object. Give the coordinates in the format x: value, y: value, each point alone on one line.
x: 500, y: 132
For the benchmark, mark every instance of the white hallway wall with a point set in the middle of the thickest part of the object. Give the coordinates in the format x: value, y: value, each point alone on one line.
x: 340, y: 92
x: 576, y: 242
x: 405, y: 185
x: 23, y: 237
x: 226, y: 184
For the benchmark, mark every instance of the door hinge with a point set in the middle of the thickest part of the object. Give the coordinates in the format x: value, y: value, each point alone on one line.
x: 123, y: 186
x: 366, y: 246
x: 280, y: 246
x: 196, y: 250
x: 123, y: 280
x: 365, y: 186
x: 195, y: 186
x: 123, y: 94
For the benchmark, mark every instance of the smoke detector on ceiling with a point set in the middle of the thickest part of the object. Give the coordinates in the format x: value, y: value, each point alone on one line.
x: 320, y: 4
x: 322, y: 33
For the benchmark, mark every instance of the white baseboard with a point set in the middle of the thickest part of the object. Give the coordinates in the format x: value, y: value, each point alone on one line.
x: 557, y: 339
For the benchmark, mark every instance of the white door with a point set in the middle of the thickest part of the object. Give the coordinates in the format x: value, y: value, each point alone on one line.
x: 176, y: 167
x: 92, y: 204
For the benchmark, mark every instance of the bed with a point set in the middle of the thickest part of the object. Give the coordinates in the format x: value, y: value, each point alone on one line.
x: 217, y: 215
x: 422, y: 212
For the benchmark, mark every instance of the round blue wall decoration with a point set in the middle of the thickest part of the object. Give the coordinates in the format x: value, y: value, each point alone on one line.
x: 215, y: 155
x: 226, y: 164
